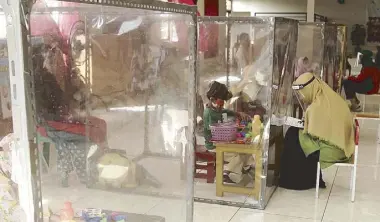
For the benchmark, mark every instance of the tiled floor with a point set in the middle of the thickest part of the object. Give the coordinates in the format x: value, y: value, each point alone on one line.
x: 286, y: 206
x: 334, y: 204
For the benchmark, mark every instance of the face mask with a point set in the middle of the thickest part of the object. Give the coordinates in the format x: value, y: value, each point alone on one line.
x: 219, y: 103
x: 299, y: 95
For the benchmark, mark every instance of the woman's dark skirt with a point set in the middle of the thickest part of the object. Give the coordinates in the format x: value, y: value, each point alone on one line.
x: 298, y: 172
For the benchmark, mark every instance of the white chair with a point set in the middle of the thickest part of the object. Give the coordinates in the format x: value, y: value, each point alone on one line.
x: 353, y: 164
x: 374, y: 98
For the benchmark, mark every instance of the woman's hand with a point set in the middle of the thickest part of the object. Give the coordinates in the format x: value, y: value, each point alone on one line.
x: 243, y: 116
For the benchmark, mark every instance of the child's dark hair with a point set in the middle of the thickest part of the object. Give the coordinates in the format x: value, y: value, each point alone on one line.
x: 218, y: 91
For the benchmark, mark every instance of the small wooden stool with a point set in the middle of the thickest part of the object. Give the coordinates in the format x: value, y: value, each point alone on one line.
x: 249, y: 149
x: 205, y: 161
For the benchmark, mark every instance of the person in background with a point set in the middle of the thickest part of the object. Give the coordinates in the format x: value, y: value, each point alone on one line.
x: 367, y: 82
x: 61, y: 114
x: 242, y: 53
x: 303, y: 66
x: 327, y: 136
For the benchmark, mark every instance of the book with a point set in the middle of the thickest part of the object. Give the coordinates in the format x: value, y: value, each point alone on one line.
x: 287, y: 120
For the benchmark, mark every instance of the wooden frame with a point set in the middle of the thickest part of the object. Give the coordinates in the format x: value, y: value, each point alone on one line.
x: 241, y: 149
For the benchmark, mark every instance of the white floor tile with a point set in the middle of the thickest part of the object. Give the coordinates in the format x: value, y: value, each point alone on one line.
x: 208, y: 191
x: 171, y: 210
x: 207, y: 213
x: 367, y: 183
x: 369, y: 153
x: 339, y: 209
x: 296, y: 204
x: 261, y: 216
x: 55, y: 196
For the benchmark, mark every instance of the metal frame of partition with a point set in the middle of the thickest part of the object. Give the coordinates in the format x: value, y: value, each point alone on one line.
x: 300, y: 16
x: 280, y: 77
x: 22, y: 86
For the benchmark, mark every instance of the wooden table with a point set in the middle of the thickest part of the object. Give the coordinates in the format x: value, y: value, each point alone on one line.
x: 249, y: 149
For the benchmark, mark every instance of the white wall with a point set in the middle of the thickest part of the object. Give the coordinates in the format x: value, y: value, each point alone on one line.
x: 269, y: 6
x: 350, y: 13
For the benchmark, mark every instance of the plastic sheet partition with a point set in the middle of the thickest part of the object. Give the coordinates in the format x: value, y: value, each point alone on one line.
x: 248, y: 49
x: 286, y: 36
x: 311, y: 43
x: 330, y: 75
x: 114, y: 105
x: 328, y: 43
x: 341, y: 54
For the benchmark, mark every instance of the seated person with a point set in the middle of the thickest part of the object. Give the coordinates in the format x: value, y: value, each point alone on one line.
x: 61, y: 117
x: 327, y: 137
x: 367, y: 82
x: 238, y: 164
x: 217, y: 94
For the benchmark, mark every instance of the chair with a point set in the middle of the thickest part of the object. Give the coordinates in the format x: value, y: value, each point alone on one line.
x: 352, y: 164
x: 372, y: 97
x: 204, y: 161
x: 45, y: 152
x: 205, y: 166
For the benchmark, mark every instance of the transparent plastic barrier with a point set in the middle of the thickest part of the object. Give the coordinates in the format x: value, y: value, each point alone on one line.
x: 282, y: 96
x: 284, y: 66
x: 341, y: 54
x: 331, y: 60
x: 243, y: 59
x: 311, y: 44
x: 327, y: 44
x: 112, y: 100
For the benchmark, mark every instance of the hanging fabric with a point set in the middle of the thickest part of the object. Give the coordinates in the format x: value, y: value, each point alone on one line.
x: 182, y: 31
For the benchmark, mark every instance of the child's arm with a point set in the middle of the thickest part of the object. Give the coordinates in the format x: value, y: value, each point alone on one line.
x: 229, y: 112
x: 240, y: 115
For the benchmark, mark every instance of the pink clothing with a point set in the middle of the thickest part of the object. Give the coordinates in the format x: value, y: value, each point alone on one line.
x: 303, y: 66
x: 182, y: 30
x: 43, y: 25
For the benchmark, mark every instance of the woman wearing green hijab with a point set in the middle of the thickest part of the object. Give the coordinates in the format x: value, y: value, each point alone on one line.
x: 367, y: 82
x: 327, y: 136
